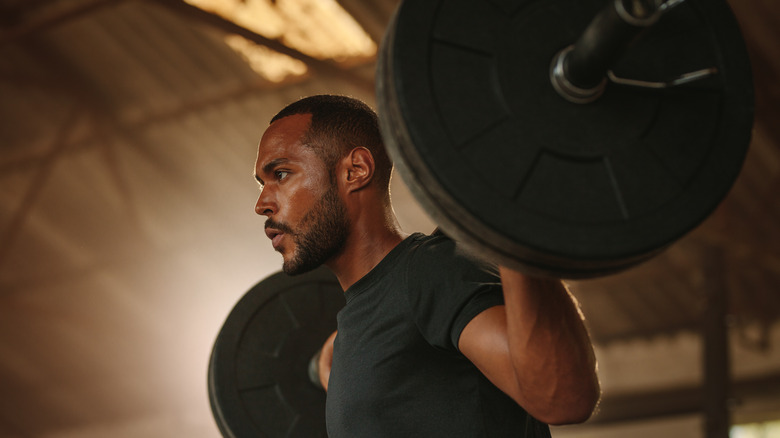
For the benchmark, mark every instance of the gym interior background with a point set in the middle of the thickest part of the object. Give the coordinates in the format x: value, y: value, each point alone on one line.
x: 127, y: 232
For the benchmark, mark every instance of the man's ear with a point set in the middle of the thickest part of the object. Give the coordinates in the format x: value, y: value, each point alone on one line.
x: 357, y: 169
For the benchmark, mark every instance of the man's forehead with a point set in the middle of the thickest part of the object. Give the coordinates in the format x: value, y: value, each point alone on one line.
x: 294, y: 126
x: 280, y: 153
x: 283, y: 139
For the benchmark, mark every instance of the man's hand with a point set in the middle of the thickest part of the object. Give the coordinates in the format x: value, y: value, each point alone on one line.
x: 326, y: 360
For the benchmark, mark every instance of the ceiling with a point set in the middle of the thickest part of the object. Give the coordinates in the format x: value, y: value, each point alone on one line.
x: 127, y: 231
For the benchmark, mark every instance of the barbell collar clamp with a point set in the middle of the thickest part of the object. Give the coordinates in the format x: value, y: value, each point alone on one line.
x: 683, y: 79
x: 566, y: 88
x: 579, y: 72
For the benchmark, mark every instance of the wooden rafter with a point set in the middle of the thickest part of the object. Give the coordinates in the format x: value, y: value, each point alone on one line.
x: 214, y: 20
x: 46, y: 22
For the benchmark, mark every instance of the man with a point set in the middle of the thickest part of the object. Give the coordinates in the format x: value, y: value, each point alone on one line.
x: 431, y: 342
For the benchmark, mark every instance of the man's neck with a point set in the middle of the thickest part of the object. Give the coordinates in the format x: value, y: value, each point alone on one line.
x: 366, y: 246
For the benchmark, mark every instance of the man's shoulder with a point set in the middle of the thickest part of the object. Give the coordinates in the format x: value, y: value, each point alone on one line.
x: 430, y: 253
x: 435, y: 244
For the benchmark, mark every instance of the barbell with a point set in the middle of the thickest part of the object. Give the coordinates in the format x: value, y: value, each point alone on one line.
x: 572, y: 138
x: 257, y: 376
x: 530, y: 132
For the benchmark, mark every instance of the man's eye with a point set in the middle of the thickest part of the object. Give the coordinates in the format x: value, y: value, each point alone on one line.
x: 281, y: 174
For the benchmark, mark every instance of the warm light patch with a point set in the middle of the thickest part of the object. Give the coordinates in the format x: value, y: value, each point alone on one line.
x: 271, y: 65
x: 318, y: 28
x: 769, y: 429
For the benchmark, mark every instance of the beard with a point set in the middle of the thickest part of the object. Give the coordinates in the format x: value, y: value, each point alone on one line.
x: 321, y: 234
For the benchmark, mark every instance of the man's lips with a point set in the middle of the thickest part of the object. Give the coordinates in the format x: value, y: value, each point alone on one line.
x: 276, y: 231
x: 275, y: 235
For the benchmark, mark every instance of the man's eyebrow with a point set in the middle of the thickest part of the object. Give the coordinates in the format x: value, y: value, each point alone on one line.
x: 269, y: 166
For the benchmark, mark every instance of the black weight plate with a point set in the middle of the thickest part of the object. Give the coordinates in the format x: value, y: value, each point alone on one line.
x: 504, y: 164
x: 258, y: 374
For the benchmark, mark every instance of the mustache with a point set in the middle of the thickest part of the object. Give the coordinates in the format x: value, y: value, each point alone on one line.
x: 270, y: 223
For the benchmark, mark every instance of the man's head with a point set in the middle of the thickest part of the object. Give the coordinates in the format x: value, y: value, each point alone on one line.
x: 312, y: 155
x: 338, y: 125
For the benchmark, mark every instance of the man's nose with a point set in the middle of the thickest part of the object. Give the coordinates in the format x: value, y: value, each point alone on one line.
x: 265, y: 205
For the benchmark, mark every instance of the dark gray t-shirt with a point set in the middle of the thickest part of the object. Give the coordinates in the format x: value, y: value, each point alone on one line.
x: 397, y: 371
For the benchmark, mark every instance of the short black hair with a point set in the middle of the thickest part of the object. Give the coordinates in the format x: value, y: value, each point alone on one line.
x: 338, y: 125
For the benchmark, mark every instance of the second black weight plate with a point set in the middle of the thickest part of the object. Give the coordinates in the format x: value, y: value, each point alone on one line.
x: 505, y: 165
x: 258, y: 374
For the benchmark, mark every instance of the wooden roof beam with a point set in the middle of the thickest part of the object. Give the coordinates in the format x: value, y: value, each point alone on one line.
x: 216, y: 21
x: 46, y: 22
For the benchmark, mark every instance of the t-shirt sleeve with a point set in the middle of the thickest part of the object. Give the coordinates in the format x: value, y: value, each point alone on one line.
x: 447, y: 289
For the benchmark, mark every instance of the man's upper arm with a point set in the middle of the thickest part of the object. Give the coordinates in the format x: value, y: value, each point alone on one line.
x: 484, y: 342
